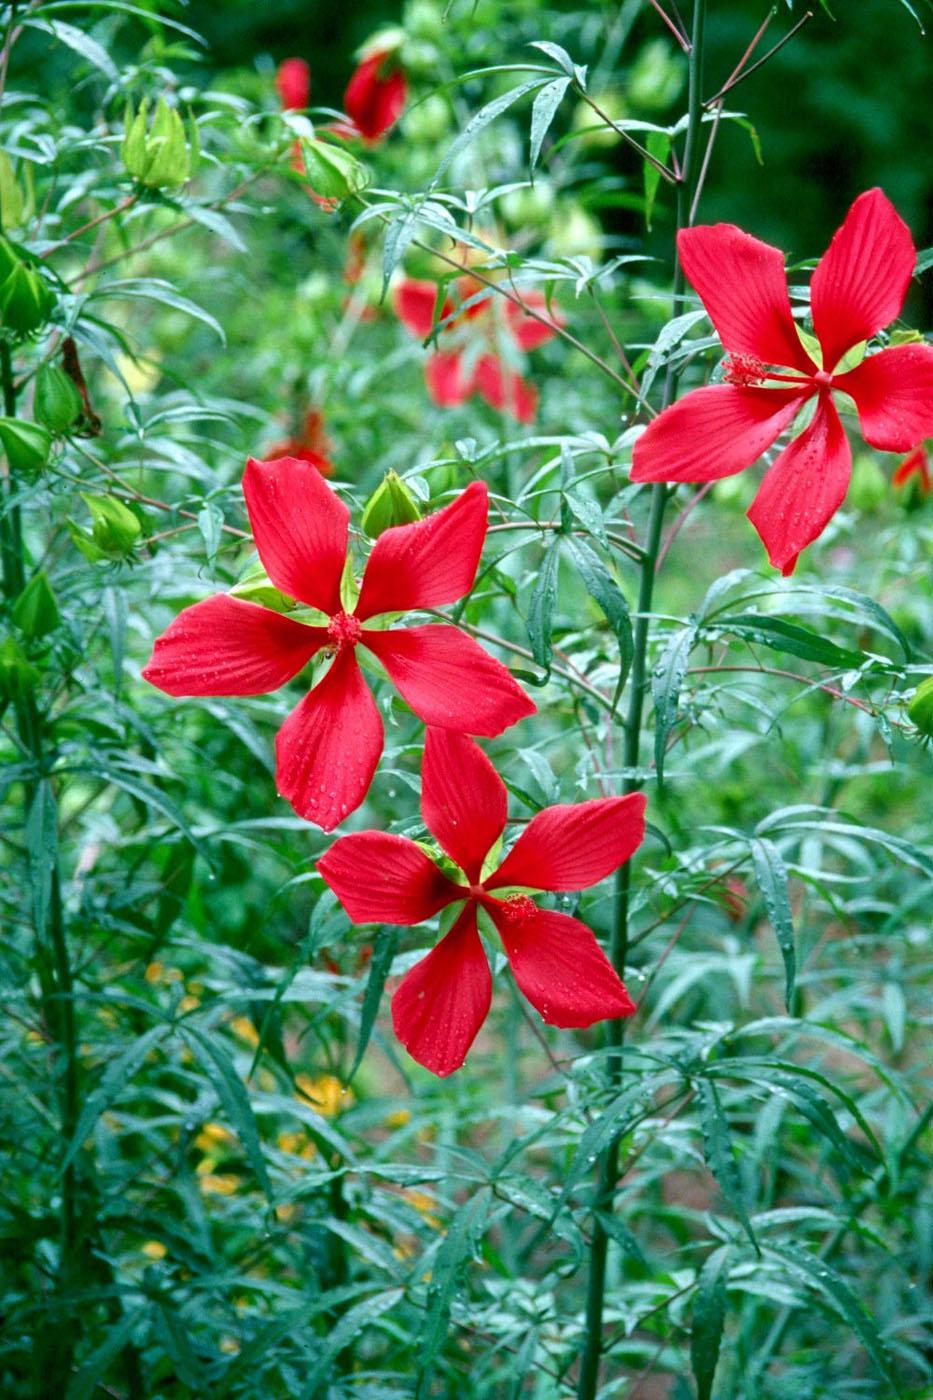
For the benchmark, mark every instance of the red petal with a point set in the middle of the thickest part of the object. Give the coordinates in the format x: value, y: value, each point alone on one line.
x: 328, y: 748
x: 893, y: 392
x: 713, y: 432
x: 463, y: 799
x: 414, y: 305
x: 504, y: 389
x: 224, y: 646
x: 861, y: 280
x: 803, y: 489
x: 561, y: 969
x: 444, y: 999
x: 300, y: 529
x: 293, y: 81
x: 443, y: 374
x: 448, y: 680
x: 916, y: 463
x: 527, y: 331
x: 383, y: 879
x: 375, y: 103
x: 742, y: 284
x: 430, y: 561
x: 574, y: 846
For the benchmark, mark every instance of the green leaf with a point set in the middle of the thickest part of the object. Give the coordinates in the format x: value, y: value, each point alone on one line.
x: 163, y: 293
x: 771, y: 875
x: 379, y: 967
x: 666, y: 679
x: 481, y: 119
x: 543, y: 111
x: 42, y: 850
x: 717, y: 1149
x: 541, y: 607
x: 35, y: 611
x: 783, y: 636
x: 83, y: 1385
x: 823, y: 1276
x: 601, y: 586
x: 350, y: 1325
x: 458, y: 1245
x: 709, y: 1312
x: 117, y: 1075
x: 658, y: 144
x: 233, y: 1097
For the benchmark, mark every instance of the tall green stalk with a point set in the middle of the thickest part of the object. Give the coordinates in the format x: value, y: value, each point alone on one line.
x: 609, y: 1162
x: 52, y: 958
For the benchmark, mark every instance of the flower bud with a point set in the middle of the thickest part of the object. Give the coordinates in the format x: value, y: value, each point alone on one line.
x: 332, y: 172
x: 15, y: 204
x: 161, y: 156
x: 26, y: 301
x: 57, y: 402
x: 392, y: 503
x: 26, y: 445
x: 114, y: 532
x: 35, y: 611
x: 920, y: 709
x: 18, y: 676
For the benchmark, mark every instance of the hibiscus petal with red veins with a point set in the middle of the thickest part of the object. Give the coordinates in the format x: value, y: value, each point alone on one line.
x: 561, y: 969
x: 529, y: 332
x: 414, y: 305
x: 328, y: 748
x: 505, y: 390
x: 443, y: 374
x: 449, y: 680
x: 713, y: 432
x: 384, y: 879
x: 224, y: 646
x: 893, y: 392
x: 463, y: 799
x: 300, y: 527
x: 444, y: 999
x: 743, y: 286
x: 428, y: 562
x: 803, y: 489
x: 861, y: 280
x: 574, y: 846
x: 374, y: 99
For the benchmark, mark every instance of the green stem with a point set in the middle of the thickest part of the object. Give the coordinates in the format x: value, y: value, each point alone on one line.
x: 56, y: 979
x: 588, y: 1382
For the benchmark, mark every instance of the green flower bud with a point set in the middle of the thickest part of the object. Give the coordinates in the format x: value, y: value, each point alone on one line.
x: 27, y: 446
x: 920, y: 709
x: 158, y: 157
x: 26, y: 301
x: 114, y: 532
x: 35, y: 611
x: 255, y: 586
x: 869, y: 487
x: 333, y: 173
x: 18, y: 676
x: 390, y: 504
x: 57, y: 403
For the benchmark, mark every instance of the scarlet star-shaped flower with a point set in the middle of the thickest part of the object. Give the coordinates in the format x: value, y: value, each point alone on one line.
x: 328, y: 748
x: 555, y: 959
x: 915, y: 464
x: 474, y: 365
x: 375, y: 95
x: 857, y: 289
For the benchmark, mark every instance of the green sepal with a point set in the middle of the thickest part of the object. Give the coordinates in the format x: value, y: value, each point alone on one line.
x: 392, y: 503
x: 27, y: 446
x: 57, y: 403
x: 35, y: 611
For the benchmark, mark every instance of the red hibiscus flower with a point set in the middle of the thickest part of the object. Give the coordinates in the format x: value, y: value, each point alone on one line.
x: 915, y: 464
x: 310, y: 445
x: 328, y: 748
x: 558, y: 965
x: 858, y: 288
x: 293, y: 81
x: 375, y: 95
x: 473, y: 364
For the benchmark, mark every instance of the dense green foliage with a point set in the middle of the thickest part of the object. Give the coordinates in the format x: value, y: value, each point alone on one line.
x: 222, y: 1175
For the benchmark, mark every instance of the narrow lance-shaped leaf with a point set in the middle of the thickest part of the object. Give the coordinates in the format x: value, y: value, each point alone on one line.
x: 709, y: 1313
x: 459, y: 1244
x: 602, y: 587
x: 717, y: 1149
x: 771, y: 875
x: 378, y: 972
x: 233, y: 1097
x: 543, y: 112
x: 666, y: 680
x: 541, y: 607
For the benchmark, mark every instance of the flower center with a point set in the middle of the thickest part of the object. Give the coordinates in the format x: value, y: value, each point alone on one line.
x: 823, y: 378
x: 344, y: 630
x: 745, y: 370
x: 518, y: 909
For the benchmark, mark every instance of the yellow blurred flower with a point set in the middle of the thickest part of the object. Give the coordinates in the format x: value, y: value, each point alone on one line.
x: 399, y: 1118
x: 213, y: 1135
x: 298, y: 1144
x: 230, y: 1345
x: 244, y: 1028
x: 189, y: 1003
x: 285, y: 1212
x: 154, y: 1249
x: 218, y: 1185
x: 424, y: 1205
x: 325, y: 1093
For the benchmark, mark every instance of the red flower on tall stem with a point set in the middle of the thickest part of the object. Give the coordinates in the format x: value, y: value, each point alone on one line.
x: 915, y: 464
x: 857, y: 289
x: 471, y: 361
x: 329, y: 746
x: 375, y: 95
x: 311, y: 444
x: 293, y: 83
x: 555, y: 959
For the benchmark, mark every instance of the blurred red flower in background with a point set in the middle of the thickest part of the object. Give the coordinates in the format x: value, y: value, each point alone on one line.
x: 293, y: 81
x: 311, y: 444
x: 915, y: 464
x: 441, y: 1003
x: 376, y: 94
